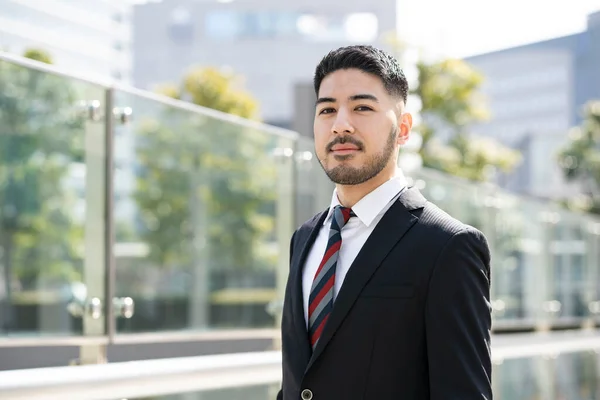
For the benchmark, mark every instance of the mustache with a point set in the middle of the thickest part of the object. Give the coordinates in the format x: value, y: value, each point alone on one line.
x: 343, y: 140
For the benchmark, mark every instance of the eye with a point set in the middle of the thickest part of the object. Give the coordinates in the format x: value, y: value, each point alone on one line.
x: 327, y: 111
x: 364, y: 108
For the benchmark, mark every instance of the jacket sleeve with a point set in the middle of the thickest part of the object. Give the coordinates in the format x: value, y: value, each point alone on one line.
x: 280, y: 393
x: 458, y: 320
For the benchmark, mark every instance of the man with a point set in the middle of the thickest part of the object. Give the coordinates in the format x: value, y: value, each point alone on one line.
x: 387, y: 296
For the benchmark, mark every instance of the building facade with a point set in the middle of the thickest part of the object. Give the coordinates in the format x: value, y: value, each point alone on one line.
x: 271, y: 43
x: 89, y: 37
x: 536, y: 93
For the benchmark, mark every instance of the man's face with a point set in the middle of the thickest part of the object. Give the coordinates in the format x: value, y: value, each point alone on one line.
x: 358, y: 126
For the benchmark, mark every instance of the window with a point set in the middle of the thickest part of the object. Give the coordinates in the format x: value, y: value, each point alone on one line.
x: 317, y: 27
x: 181, y: 29
x: 222, y: 25
x: 361, y: 27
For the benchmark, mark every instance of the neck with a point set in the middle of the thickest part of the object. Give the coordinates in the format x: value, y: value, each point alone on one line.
x: 349, y: 195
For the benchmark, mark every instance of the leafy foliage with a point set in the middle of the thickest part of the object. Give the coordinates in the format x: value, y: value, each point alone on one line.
x: 40, y: 138
x: 199, y: 171
x: 448, y: 91
x: 580, y: 159
x: 213, y: 88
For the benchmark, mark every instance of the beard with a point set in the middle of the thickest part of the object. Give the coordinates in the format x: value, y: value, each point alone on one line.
x: 347, y: 175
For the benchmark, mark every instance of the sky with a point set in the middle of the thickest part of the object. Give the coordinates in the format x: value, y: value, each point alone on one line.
x: 460, y: 28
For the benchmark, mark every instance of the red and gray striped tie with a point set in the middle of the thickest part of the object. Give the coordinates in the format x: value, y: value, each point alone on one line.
x: 321, y: 293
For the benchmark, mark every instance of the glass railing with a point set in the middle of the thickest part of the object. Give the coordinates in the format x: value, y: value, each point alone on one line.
x: 123, y: 212
x: 202, y: 211
x: 51, y: 210
x: 545, y: 260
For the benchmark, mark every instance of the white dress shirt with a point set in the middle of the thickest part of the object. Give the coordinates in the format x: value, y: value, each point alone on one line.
x: 369, y: 211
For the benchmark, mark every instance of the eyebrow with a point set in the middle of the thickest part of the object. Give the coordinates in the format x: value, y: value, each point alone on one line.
x: 362, y: 96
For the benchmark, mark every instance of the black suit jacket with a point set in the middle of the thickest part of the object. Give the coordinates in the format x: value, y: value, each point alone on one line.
x: 412, y: 320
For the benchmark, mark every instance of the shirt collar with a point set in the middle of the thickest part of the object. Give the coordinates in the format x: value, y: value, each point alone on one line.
x: 370, y: 206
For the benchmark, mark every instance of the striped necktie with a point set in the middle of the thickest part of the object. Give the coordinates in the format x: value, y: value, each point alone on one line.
x: 321, y: 293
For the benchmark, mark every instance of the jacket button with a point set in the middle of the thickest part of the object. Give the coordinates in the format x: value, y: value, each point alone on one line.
x: 307, y: 394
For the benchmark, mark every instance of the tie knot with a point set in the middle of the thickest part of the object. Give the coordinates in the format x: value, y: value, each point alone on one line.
x: 342, y: 215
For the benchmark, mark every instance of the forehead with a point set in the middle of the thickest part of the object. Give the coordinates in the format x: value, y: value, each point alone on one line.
x: 345, y: 82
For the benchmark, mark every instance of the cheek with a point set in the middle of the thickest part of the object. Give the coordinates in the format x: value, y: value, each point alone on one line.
x: 321, y: 136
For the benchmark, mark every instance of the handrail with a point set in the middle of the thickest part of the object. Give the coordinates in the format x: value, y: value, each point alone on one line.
x: 134, y: 379
x: 52, y: 69
x: 167, y: 101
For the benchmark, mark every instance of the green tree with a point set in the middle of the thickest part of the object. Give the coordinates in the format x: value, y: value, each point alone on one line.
x: 216, y: 89
x: 39, y: 140
x: 205, y: 185
x: 448, y: 91
x: 580, y: 159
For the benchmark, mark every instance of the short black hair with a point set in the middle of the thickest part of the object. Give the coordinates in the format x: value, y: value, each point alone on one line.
x: 367, y: 59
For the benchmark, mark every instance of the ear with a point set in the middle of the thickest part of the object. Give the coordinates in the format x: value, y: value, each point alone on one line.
x: 404, y: 126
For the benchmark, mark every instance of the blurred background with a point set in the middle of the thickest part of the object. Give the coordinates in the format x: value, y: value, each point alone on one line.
x: 156, y: 156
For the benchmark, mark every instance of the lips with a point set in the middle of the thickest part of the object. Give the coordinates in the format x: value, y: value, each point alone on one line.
x: 344, y: 145
x: 344, y: 148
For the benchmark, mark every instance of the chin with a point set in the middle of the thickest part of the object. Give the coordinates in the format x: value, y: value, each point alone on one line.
x: 345, y: 159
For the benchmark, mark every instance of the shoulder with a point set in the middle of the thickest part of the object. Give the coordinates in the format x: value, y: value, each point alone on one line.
x: 451, y: 241
x: 443, y: 228
x: 432, y: 219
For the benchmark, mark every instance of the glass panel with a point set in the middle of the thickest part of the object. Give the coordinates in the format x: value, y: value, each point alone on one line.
x: 313, y: 188
x: 45, y: 207
x: 593, y: 240
x: 518, y: 254
x: 521, y: 378
x: 576, y: 376
x: 198, y: 204
x: 572, y: 290
x: 543, y: 258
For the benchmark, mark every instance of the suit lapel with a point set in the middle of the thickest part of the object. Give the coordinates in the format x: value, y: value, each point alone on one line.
x: 304, y: 243
x: 395, y: 223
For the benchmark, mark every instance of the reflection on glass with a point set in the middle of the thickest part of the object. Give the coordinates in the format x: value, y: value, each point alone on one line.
x: 197, y: 243
x: 572, y: 376
x: 521, y: 379
x: 576, y: 376
x: 570, y: 272
x: 42, y: 200
x: 517, y: 245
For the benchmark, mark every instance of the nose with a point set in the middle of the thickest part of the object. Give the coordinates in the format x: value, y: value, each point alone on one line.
x: 342, y: 124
